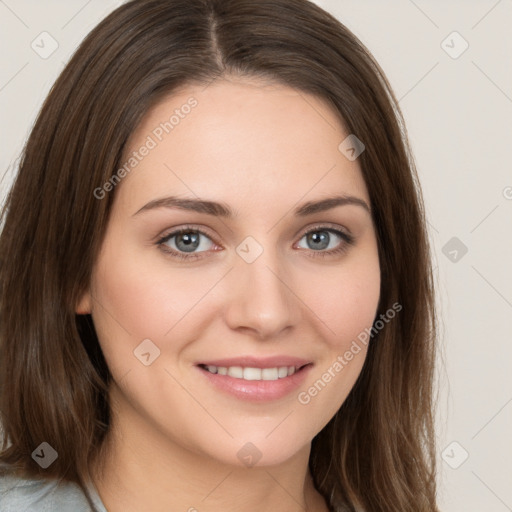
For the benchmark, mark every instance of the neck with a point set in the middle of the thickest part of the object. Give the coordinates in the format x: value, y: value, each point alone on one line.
x: 142, y: 469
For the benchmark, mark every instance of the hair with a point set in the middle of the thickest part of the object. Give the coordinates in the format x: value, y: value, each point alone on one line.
x: 378, y: 452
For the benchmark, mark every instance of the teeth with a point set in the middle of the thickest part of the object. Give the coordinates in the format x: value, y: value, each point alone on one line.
x: 252, y: 374
x: 248, y: 373
x: 236, y: 371
x: 282, y: 372
x: 269, y: 373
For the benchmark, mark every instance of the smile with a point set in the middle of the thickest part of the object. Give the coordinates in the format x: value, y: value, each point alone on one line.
x: 253, y: 379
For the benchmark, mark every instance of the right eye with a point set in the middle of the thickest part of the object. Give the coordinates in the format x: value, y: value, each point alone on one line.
x: 182, y: 243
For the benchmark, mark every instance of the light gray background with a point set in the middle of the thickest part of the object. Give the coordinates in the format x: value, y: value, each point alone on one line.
x: 458, y: 113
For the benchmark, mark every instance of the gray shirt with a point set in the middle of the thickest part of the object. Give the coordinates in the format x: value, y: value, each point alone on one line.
x: 38, y: 495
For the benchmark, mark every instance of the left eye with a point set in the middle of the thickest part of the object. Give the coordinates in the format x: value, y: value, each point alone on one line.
x: 320, y: 239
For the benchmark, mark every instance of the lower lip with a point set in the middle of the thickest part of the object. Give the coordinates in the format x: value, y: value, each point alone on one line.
x: 257, y: 390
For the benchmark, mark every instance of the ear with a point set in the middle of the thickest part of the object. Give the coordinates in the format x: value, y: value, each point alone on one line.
x: 84, y: 304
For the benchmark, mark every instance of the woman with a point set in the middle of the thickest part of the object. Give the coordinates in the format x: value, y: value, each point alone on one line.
x: 216, y: 288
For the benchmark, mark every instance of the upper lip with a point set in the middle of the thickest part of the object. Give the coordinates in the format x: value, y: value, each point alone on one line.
x: 257, y: 362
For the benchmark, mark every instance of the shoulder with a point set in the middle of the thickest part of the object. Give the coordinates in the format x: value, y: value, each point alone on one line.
x: 39, y: 495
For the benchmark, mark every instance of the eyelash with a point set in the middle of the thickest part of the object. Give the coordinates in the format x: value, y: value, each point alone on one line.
x: 348, y: 240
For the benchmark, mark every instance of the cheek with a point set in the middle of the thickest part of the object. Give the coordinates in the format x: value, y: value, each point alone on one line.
x: 346, y: 299
x: 346, y: 302
x: 142, y: 295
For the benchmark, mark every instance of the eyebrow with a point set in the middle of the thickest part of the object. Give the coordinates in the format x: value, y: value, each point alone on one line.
x: 222, y: 210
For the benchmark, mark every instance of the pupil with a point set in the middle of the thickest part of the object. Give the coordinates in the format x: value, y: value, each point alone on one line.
x: 191, y: 241
x: 321, y: 237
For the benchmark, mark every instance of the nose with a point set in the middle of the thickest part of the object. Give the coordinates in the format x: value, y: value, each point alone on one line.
x: 261, y: 297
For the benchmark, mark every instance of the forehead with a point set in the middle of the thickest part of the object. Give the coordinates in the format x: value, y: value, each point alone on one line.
x: 240, y: 141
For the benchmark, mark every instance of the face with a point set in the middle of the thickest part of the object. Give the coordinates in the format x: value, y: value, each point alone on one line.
x: 226, y: 323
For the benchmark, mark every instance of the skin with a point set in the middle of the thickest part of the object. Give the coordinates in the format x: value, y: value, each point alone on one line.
x: 262, y: 149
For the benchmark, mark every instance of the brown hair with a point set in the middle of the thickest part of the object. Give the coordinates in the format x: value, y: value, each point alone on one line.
x: 377, y: 453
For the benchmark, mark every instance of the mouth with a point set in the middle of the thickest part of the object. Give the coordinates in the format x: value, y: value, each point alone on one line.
x: 255, y: 379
